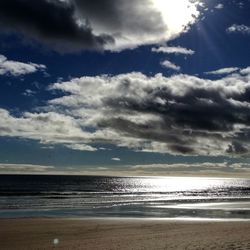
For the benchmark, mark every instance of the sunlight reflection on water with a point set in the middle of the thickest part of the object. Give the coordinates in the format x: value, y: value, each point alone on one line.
x: 92, y: 196
x: 176, y: 184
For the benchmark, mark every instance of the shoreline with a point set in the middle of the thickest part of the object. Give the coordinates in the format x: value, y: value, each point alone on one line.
x: 122, y: 233
x: 129, y: 219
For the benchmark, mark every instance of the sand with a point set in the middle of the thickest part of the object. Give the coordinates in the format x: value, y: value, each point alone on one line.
x: 122, y: 234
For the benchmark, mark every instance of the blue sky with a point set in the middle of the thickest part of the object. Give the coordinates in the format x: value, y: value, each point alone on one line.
x: 98, y: 87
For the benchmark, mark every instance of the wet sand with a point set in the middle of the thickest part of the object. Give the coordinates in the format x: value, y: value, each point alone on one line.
x: 122, y: 234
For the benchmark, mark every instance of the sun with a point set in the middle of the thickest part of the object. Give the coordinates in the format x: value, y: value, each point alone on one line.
x: 177, y: 14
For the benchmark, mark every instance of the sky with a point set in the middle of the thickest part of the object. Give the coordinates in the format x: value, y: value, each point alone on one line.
x: 125, y: 87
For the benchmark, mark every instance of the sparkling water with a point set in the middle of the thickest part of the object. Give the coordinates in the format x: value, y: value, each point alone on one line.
x: 139, y: 197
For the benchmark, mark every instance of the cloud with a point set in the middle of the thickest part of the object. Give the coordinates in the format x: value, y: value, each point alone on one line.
x: 245, y: 71
x: 180, y: 166
x: 223, y: 71
x: 219, y: 6
x: 179, y: 115
x: 243, y: 29
x: 173, y: 50
x: 170, y: 65
x: 96, y: 24
x: 4, y: 167
x: 14, y: 68
x: 51, y: 21
x: 192, y: 166
x: 48, y: 128
x: 29, y: 92
x: 81, y: 147
x: 195, y: 169
x: 223, y: 169
x: 116, y: 159
x: 205, y: 168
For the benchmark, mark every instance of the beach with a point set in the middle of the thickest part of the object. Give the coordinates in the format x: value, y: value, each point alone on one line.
x: 109, y: 213
x: 124, y: 234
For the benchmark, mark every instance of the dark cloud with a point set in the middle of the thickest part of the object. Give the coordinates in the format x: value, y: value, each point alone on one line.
x: 120, y: 14
x: 103, y: 11
x: 198, y: 113
x: 236, y: 148
x: 200, y: 108
x: 91, y: 24
x: 51, y: 21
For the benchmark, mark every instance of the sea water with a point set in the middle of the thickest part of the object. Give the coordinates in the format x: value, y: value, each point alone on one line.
x: 129, y: 197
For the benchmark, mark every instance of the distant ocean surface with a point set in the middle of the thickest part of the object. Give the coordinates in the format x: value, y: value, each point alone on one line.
x: 136, y: 197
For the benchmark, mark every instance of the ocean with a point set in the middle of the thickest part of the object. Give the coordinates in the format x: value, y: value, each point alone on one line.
x: 127, y: 197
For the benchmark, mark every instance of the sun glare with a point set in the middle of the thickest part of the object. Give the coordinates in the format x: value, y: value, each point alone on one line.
x: 177, y: 14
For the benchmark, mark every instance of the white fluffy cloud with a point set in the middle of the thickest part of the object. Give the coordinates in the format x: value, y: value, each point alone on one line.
x: 116, y: 159
x: 14, y: 68
x: 81, y: 147
x: 48, y: 128
x: 173, y: 50
x: 223, y: 71
x: 245, y: 71
x: 169, y: 65
x: 219, y: 6
x: 235, y: 28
